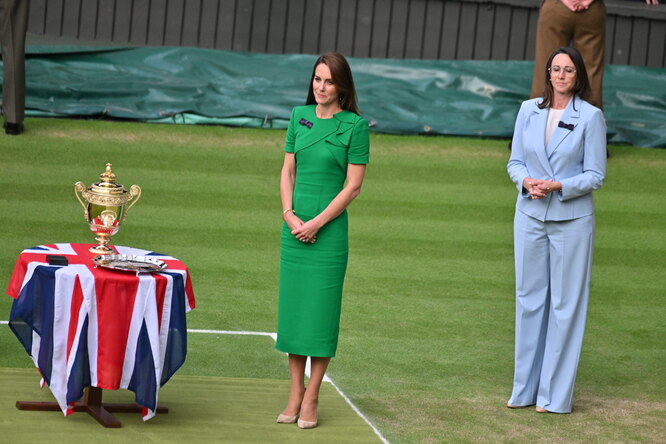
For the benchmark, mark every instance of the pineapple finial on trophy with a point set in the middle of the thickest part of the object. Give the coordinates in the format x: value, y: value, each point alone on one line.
x: 108, y: 176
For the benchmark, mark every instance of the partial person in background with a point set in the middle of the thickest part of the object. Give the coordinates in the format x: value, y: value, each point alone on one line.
x: 581, y: 24
x: 13, y: 27
x: 558, y: 158
x: 326, y: 152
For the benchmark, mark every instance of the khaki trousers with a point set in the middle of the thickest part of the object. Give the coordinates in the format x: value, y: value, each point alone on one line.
x: 585, y: 31
x: 13, y: 26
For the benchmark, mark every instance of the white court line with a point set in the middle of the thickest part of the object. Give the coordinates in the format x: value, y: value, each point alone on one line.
x: 307, y: 370
x: 233, y: 332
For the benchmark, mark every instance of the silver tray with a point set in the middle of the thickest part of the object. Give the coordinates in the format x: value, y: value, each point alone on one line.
x: 128, y: 262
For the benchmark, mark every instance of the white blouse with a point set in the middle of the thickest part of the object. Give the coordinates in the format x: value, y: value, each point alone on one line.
x: 554, y: 116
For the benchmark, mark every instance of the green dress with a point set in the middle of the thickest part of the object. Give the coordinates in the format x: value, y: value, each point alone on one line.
x: 311, y: 275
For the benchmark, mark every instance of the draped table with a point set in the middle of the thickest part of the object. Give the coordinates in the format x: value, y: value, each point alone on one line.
x: 91, y: 328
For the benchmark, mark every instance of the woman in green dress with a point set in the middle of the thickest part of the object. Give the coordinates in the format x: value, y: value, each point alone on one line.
x: 326, y: 152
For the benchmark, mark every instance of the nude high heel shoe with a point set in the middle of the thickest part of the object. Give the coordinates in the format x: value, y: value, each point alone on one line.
x: 286, y: 419
x: 307, y: 424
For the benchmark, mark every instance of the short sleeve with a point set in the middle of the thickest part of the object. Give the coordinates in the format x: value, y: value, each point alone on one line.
x: 359, y: 146
x: 291, y: 133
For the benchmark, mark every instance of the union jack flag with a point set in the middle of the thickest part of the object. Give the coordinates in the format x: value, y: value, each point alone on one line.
x: 84, y: 325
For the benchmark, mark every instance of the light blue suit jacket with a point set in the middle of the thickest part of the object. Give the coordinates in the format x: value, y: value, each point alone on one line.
x: 575, y: 157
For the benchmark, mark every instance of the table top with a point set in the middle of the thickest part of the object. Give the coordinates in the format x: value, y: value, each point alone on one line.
x: 78, y: 255
x: 85, y: 325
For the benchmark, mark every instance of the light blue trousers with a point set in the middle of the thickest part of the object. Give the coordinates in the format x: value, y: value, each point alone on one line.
x: 553, y: 265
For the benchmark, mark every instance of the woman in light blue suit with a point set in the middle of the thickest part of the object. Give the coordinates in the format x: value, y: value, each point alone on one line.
x: 558, y: 157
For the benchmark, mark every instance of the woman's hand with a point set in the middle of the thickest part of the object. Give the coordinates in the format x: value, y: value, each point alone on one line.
x: 297, y: 228
x: 539, y: 189
x: 292, y: 220
x: 547, y: 186
x: 533, y: 189
x: 306, y: 232
x: 577, y: 5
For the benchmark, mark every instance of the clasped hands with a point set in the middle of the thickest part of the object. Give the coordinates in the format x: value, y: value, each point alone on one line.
x: 582, y: 5
x: 538, y: 189
x: 303, y: 231
x: 577, y: 5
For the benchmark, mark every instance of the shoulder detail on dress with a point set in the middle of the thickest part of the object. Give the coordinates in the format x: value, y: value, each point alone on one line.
x: 304, y: 109
x: 348, y: 117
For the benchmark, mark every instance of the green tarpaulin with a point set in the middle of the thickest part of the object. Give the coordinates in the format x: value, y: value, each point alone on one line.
x: 189, y: 85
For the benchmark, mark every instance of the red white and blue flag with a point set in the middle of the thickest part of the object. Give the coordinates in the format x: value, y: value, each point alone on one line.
x: 84, y: 325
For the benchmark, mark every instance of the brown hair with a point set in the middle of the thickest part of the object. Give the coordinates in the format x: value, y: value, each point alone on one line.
x: 582, y: 86
x: 342, y: 79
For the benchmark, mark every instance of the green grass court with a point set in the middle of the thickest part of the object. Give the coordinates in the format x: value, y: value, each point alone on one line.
x: 426, y: 343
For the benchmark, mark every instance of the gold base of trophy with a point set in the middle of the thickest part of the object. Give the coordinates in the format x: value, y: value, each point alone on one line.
x: 102, y: 249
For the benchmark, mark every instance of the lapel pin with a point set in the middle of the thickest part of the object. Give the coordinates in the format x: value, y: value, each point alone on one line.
x: 569, y: 126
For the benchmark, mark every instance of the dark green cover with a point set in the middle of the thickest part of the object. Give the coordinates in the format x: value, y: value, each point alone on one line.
x: 190, y: 85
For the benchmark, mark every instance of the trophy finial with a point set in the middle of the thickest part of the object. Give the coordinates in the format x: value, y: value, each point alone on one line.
x: 108, y: 176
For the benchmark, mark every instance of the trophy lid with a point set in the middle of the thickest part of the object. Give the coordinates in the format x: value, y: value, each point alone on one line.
x: 108, y: 176
x: 107, y: 183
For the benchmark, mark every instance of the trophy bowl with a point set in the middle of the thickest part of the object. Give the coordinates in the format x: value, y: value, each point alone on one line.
x: 105, y: 204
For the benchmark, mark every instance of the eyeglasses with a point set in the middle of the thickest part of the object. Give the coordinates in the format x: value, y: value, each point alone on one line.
x: 555, y: 70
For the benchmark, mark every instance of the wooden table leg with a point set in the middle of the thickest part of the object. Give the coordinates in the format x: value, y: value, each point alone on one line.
x: 93, y: 405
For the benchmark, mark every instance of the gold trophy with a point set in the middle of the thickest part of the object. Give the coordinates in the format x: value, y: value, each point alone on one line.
x: 105, y: 207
